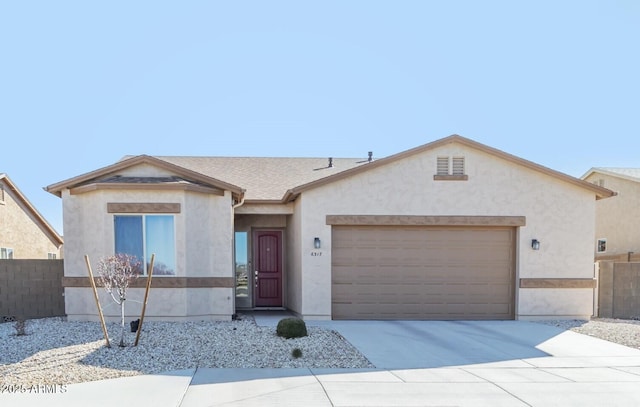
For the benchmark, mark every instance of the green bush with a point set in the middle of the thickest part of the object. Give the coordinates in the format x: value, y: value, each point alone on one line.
x: 291, y: 328
x: 296, y: 353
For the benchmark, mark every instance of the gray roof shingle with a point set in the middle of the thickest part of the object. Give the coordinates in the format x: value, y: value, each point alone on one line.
x: 264, y: 178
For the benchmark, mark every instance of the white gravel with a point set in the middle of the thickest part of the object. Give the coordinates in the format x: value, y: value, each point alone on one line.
x: 623, y: 331
x: 57, y: 352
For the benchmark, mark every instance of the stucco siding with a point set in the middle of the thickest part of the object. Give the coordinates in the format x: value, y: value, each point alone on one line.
x: 558, y: 214
x: 208, y: 236
x: 545, y: 303
x: 203, y: 240
x: 21, y: 232
x: 293, y: 262
x: 163, y: 304
x: 616, y: 217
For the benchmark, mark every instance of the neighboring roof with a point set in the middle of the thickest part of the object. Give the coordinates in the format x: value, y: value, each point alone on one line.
x: 599, y: 192
x: 631, y: 174
x: 49, y: 231
x: 281, y: 180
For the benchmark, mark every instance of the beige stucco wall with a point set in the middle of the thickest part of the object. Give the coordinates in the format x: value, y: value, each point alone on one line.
x: 203, y: 238
x: 294, y: 269
x: 616, y: 216
x: 21, y: 232
x: 560, y: 215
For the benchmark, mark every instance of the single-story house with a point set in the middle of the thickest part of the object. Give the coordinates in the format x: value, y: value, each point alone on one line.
x: 24, y: 232
x: 452, y: 229
x: 617, y: 226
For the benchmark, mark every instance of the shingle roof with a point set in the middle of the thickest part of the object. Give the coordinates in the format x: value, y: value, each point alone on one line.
x: 281, y: 179
x: 265, y: 178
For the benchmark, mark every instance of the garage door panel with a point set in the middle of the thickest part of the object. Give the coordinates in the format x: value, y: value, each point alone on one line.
x: 423, y: 273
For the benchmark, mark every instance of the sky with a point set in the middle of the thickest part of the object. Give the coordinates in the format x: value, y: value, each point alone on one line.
x: 83, y: 84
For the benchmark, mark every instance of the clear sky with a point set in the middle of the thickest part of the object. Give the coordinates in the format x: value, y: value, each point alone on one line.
x: 83, y: 83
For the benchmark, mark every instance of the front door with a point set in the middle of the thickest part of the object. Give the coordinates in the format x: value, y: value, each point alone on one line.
x: 267, y: 261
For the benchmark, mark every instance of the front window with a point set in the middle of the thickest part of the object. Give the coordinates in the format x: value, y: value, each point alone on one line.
x: 144, y: 235
x: 52, y: 256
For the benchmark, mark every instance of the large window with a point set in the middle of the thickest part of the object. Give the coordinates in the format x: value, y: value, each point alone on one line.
x: 144, y: 235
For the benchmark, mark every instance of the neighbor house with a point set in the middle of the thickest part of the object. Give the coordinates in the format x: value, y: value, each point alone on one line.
x: 24, y: 232
x: 617, y: 220
x: 452, y: 229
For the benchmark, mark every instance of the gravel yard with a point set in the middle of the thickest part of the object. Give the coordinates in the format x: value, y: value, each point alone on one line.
x: 55, y: 351
x: 623, y: 331
x: 58, y: 352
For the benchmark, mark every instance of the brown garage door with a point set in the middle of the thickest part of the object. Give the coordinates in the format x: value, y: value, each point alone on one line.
x: 418, y: 272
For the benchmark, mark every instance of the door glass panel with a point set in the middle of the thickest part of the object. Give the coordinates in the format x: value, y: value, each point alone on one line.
x: 242, y: 276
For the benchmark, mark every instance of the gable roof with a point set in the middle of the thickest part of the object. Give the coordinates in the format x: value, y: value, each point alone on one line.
x: 599, y: 192
x: 631, y: 174
x: 102, y: 175
x: 48, y: 230
x: 282, y: 180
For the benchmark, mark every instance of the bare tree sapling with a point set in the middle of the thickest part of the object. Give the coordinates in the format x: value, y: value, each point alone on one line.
x: 116, y: 273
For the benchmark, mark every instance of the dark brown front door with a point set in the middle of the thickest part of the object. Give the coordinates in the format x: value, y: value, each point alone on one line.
x: 267, y: 260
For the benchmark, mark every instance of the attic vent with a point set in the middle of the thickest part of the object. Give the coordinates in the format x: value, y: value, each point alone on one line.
x: 457, y: 166
x: 370, y: 156
x: 599, y: 182
x: 330, y: 162
x: 442, y: 166
x: 455, y: 172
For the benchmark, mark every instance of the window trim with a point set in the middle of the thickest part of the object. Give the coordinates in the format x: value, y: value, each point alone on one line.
x: 451, y: 177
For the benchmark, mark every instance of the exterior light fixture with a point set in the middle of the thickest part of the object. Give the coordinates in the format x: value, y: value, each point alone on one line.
x: 316, y: 242
x: 535, y: 244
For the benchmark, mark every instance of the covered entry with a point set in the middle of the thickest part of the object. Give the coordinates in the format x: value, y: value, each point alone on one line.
x: 423, y: 272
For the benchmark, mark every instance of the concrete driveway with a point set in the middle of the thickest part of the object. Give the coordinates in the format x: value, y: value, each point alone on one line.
x: 494, y: 363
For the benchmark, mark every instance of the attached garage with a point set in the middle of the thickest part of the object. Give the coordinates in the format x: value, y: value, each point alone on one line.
x: 423, y: 272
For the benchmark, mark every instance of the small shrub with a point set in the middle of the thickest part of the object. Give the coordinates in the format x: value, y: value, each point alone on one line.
x: 20, y: 326
x: 296, y: 353
x: 291, y: 328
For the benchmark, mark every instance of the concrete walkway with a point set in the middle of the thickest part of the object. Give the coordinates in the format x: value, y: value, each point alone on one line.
x: 419, y: 363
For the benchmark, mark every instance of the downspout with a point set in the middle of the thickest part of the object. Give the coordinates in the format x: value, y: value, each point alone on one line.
x: 239, y: 204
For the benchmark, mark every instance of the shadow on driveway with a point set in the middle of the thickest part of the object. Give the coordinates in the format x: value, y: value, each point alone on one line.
x: 428, y: 344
